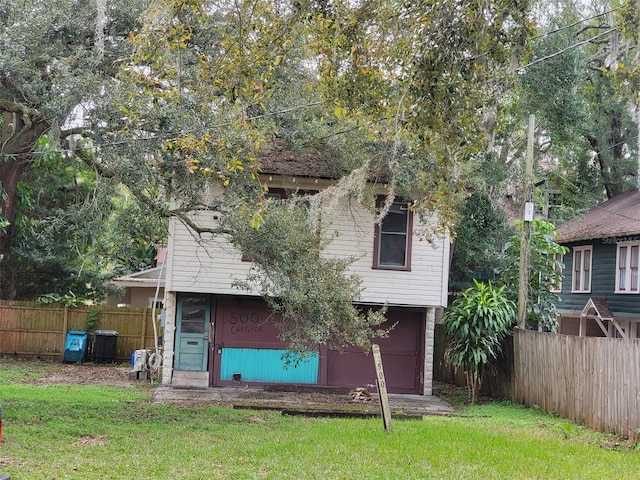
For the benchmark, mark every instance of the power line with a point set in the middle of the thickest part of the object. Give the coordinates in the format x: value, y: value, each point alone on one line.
x: 559, y: 29
x: 617, y: 213
x: 177, y: 134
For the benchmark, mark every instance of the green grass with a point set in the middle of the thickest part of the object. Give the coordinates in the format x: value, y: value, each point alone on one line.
x: 21, y: 371
x: 92, y: 432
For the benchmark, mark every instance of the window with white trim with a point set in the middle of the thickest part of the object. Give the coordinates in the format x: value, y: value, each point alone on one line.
x: 627, y: 265
x: 392, y: 243
x: 581, y: 279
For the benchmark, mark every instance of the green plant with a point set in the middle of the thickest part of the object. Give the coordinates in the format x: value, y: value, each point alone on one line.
x: 68, y: 300
x: 545, y: 273
x: 474, y: 325
x: 568, y: 429
x: 91, y: 320
x: 312, y: 293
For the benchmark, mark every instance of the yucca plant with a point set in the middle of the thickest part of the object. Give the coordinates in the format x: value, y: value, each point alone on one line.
x: 474, y: 325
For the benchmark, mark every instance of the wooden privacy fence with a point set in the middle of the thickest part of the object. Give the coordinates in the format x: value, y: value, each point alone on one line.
x: 497, y: 380
x: 31, y: 329
x: 593, y: 381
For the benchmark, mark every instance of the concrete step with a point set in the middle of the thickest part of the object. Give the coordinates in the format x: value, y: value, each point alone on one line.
x: 184, y: 379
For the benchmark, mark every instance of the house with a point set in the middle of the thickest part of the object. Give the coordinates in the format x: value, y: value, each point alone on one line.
x: 600, y: 293
x: 217, y: 335
x: 143, y: 288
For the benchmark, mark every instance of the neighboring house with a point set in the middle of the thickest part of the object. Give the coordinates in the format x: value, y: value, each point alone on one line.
x: 142, y: 288
x: 600, y: 290
x: 217, y: 335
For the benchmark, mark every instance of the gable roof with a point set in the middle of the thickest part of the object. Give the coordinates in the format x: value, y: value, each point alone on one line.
x: 144, y: 278
x: 617, y: 217
x: 599, y: 307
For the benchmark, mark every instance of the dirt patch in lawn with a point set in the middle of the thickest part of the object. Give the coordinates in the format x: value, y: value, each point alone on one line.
x: 89, y: 441
x: 82, y: 374
x: 57, y: 373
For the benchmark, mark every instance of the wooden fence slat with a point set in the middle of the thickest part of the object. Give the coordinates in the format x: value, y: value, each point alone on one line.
x: 31, y: 329
x: 593, y: 381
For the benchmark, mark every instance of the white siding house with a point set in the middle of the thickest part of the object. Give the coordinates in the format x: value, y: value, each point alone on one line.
x: 200, y: 271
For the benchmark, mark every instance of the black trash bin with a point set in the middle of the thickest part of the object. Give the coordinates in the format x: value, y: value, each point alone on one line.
x: 104, y: 346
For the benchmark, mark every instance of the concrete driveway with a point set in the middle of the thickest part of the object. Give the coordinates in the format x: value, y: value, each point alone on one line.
x: 311, y: 400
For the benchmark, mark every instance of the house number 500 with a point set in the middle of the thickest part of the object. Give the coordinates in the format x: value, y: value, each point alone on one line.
x: 244, y: 318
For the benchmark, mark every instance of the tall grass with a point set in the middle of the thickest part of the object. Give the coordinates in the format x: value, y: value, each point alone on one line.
x: 92, y: 432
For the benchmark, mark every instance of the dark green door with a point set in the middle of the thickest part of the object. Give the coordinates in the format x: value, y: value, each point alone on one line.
x: 192, y: 332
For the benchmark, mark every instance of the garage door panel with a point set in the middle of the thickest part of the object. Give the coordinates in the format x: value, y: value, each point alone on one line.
x: 400, y: 358
x: 399, y: 371
x: 344, y: 367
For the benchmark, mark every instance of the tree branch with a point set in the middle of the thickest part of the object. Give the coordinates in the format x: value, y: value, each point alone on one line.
x: 184, y: 218
x: 15, y: 107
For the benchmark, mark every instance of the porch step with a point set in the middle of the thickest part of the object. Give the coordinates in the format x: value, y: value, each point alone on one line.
x: 184, y: 379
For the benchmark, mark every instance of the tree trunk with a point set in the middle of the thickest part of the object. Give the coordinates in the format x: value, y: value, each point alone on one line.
x: 609, y: 162
x: 20, y: 129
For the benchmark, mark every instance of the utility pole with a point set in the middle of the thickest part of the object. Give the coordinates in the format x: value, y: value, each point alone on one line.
x: 527, y: 216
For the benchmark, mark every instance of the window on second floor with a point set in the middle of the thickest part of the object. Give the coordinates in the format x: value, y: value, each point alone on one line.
x: 392, y: 244
x: 581, y: 279
x: 627, y: 265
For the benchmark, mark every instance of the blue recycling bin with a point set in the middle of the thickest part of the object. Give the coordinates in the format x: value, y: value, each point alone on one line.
x: 75, y: 346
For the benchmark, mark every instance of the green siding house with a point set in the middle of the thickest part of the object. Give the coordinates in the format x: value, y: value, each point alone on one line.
x: 600, y: 291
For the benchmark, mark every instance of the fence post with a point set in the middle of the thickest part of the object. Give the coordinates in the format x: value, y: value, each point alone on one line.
x: 143, y: 334
x: 65, y: 328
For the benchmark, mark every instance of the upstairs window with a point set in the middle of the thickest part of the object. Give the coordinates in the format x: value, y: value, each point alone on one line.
x: 627, y: 265
x: 581, y: 281
x: 392, y: 244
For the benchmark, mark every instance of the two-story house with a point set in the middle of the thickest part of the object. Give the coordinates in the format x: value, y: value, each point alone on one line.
x: 600, y: 291
x: 217, y: 335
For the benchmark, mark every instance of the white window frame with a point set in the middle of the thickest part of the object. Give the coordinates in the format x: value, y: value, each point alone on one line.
x: 584, y: 284
x: 159, y: 302
x: 627, y: 272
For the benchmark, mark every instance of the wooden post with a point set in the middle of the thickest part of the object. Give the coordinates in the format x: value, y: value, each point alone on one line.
x: 523, y: 277
x: 382, y: 388
x: 65, y: 328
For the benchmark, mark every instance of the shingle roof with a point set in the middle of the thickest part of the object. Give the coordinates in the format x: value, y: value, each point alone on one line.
x: 281, y: 160
x: 617, y: 217
x: 599, y: 306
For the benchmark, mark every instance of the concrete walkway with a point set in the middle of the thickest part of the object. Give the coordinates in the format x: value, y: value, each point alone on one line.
x: 304, y: 400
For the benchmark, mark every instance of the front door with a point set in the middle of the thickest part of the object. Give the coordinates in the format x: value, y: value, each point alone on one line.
x: 192, y: 332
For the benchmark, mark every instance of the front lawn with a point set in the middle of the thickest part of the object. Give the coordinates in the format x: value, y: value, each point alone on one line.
x: 95, y: 432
